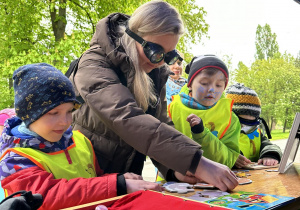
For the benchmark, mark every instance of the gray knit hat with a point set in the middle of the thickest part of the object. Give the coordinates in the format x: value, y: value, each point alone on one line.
x: 202, y: 62
x: 246, y: 101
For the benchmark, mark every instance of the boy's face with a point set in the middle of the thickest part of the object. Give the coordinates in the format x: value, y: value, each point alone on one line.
x: 207, y: 89
x: 52, y: 125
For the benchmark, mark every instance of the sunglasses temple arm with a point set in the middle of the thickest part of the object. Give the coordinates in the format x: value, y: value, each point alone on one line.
x: 135, y: 37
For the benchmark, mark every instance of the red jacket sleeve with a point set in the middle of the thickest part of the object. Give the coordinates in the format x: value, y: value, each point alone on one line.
x: 61, y: 193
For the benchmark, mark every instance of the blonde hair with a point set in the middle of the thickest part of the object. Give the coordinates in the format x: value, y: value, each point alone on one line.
x: 152, y: 18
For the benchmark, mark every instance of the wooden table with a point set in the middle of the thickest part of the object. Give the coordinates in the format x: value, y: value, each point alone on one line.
x: 287, y: 184
x: 273, y: 183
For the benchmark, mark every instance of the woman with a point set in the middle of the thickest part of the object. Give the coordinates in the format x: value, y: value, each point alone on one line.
x: 122, y: 80
x: 175, y: 81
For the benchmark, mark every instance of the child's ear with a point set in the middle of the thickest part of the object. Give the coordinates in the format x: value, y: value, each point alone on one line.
x: 190, y: 92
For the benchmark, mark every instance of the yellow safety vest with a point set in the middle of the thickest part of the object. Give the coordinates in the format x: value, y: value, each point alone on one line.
x: 77, y: 160
x: 217, y: 119
x: 250, y: 147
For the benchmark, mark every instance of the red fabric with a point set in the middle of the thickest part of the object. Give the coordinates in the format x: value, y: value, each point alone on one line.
x: 61, y: 193
x: 149, y: 200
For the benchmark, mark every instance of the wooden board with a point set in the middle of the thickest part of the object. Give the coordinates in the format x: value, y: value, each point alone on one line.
x: 255, y: 166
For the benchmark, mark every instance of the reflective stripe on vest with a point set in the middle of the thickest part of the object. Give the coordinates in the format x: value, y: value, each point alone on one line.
x: 217, y: 119
x: 250, y: 145
x: 78, y: 160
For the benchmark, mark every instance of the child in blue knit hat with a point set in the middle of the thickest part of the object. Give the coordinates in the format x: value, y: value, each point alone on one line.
x: 41, y: 153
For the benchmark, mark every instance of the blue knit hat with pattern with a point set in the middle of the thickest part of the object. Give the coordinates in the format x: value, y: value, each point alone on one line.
x: 39, y: 88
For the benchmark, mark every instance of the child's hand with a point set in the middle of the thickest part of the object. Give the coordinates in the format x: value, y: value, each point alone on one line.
x: 129, y: 175
x: 242, y: 161
x: 268, y: 161
x: 193, y: 120
x: 216, y: 174
x: 135, y: 185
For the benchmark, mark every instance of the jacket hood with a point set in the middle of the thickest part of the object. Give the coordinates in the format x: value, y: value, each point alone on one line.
x: 7, y: 140
x: 106, y: 31
x: 107, y: 37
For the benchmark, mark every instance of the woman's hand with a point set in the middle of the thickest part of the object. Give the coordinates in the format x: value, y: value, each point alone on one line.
x: 216, y: 174
x: 135, y: 185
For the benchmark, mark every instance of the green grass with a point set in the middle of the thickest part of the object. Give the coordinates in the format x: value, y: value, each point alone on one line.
x: 277, y: 134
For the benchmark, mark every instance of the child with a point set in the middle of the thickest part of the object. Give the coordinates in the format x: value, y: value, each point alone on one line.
x: 175, y: 81
x: 218, y: 129
x: 254, y: 146
x: 42, y: 154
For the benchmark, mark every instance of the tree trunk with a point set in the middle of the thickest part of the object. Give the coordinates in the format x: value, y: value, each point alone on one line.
x: 59, y: 20
x: 271, y: 127
x: 284, y: 126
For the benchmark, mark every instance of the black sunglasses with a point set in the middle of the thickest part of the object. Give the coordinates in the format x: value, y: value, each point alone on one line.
x: 154, y: 52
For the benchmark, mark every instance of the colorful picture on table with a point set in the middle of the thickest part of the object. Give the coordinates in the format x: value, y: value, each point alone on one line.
x: 250, y: 201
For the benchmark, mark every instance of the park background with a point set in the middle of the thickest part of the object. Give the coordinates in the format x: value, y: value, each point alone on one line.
x: 58, y: 31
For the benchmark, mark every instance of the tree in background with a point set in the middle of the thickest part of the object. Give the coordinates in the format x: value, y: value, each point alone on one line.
x: 274, y: 77
x: 265, y: 43
x: 57, y: 31
x: 276, y: 82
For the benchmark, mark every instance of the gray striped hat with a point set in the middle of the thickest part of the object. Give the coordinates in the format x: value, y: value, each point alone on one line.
x: 246, y: 101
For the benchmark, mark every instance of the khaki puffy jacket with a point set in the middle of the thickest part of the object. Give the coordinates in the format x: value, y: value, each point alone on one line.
x: 110, y: 117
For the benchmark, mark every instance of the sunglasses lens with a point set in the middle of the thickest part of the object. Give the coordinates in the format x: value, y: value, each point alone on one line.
x: 154, y: 52
x: 171, y: 57
x: 157, y: 57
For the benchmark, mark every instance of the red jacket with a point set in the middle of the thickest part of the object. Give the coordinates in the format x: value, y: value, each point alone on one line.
x: 20, y: 173
x: 60, y: 193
